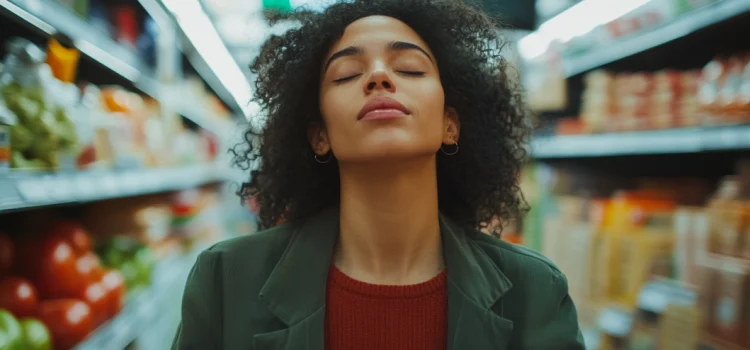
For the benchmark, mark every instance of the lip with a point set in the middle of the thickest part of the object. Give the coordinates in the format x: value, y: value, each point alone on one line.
x: 382, y: 107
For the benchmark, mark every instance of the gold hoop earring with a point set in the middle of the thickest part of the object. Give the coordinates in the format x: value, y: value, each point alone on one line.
x: 330, y: 155
x: 451, y: 153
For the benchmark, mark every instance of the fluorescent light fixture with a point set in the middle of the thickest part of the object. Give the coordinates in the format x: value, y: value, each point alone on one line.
x: 201, y: 32
x: 579, y: 19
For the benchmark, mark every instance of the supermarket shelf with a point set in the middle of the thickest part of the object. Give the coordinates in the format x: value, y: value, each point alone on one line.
x: 655, y: 296
x: 692, y: 140
x: 21, y: 191
x: 142, y: 312
x: 682, y: 26
x: 51, y: 17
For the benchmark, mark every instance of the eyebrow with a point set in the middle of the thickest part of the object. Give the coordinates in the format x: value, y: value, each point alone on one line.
x: 392, y: 46
x: 404, y: 46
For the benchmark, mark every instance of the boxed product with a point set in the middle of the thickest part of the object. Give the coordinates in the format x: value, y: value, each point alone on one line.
x: 641, y: 257
x: 679, y: 327
x: 727, y: 226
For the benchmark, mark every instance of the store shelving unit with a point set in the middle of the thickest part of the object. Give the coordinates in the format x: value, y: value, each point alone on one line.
x: 22, y: 191
x: 639, y: 42
x: 689, y: 140
x: 141, y: 315
x: 50, y: 17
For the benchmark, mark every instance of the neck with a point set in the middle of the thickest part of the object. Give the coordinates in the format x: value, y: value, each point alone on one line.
x: 390, y: 231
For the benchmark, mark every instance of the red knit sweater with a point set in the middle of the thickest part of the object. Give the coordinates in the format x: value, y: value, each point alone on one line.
x: 365, y: 316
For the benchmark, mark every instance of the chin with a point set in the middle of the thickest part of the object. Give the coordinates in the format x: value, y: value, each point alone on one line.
x: 388, y: 152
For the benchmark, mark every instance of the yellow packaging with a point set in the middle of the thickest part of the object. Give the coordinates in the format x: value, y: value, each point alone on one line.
x: 62, y: 60
x: 640, y: 257
x: 680, y: 327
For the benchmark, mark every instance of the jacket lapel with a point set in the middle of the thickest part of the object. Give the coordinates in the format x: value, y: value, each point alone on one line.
x: 475, y: 287
x: 295, y: 290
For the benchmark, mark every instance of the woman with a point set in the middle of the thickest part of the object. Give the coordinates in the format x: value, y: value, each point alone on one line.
x: 393, y: 132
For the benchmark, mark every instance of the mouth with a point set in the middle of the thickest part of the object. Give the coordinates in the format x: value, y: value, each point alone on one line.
x: 381, y: 107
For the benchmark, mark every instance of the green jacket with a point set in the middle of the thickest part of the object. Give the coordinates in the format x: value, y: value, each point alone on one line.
x: 267, y: 291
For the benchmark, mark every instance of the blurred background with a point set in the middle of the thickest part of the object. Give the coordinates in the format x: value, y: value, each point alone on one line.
x: 115, y: 118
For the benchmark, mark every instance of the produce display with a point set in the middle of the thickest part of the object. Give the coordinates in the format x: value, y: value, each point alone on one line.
x: 42, y: 129
x: 67, y: 273
x: 56, y: 278
x: 72, y: 274
x: 53, y: 124
x: 132, y: 258
x: 716, y: 95
x: 23, y: 334
x: 613, y: 238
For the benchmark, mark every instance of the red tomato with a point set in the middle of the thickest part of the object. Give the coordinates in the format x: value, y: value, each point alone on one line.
x: 74, y: 234
x: 18, y: 296
x: 89, y: 267
x: 69, y: 321
x: 56, y: 273
x: 114, y: 283
x: 98, y: 299
x: 6, y: 253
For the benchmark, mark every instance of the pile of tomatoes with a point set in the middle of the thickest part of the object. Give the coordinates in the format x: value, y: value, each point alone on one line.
x: 57, y: 278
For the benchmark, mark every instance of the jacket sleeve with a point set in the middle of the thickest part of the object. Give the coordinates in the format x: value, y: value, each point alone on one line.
x: 553, y: 322
x: 200, y: 326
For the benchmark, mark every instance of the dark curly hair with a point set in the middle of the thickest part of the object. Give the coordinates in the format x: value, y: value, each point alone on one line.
x: 475, y: 186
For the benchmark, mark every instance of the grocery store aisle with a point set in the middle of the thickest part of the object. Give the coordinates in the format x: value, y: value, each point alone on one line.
x: 116, y: 118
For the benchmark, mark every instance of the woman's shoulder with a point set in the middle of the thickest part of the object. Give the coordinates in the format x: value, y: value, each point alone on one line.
x: 515, y: 260
x: 251, y: 249
x: 271, y: 241
x: 253, y: 255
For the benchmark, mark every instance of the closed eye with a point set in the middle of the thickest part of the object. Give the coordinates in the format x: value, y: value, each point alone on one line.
x: 412, y: 73
x: 345, y: 79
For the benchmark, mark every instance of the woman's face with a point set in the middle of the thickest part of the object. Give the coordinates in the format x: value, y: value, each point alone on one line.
x: 380, y: 96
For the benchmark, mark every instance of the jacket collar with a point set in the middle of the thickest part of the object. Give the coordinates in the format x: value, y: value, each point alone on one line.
x: 296, y: 289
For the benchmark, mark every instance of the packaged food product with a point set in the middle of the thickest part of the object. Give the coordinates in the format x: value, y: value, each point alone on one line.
x: 731, y: 310
x: 685, y: 245
x: 727, y: 225
x: 62, y: 57
x: 6, y: 121
x: 679, y: 327
x: 641, y: 257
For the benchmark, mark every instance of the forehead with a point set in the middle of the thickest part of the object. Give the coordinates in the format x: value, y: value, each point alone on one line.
x: 374, y: 30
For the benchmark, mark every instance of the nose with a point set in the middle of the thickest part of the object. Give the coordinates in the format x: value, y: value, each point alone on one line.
x: 379, y: 79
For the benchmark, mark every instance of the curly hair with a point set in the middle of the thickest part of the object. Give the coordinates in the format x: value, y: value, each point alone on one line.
x: 475, y: 187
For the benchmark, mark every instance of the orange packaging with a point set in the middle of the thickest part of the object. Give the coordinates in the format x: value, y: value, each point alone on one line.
x: 63, y: 58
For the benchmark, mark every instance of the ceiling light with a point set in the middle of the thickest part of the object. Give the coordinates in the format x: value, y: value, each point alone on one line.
x: 578, y: 20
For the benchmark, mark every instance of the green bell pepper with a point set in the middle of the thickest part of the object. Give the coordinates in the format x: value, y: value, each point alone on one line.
x: 36, y: 336
x: 11, y: 336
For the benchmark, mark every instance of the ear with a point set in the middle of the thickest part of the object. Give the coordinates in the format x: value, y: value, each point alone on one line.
x: 451, y: 126
x: 318, y: 137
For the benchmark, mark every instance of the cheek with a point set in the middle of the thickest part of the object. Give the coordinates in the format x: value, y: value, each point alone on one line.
x: 335, y: 110
x: 431, y: 105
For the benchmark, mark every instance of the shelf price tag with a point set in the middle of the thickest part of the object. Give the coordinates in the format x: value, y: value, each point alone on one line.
x: 32, y: 190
